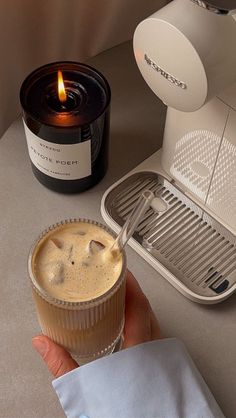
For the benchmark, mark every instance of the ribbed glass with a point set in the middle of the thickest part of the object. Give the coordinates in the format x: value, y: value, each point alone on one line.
x: 89, y: 329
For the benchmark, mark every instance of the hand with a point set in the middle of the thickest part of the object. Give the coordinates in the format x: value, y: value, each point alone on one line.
x: 141, y: 326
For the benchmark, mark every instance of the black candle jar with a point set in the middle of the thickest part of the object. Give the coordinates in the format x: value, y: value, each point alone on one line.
x: 67, y: 141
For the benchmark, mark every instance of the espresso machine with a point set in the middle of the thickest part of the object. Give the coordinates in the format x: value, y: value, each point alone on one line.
x: 186, y: 53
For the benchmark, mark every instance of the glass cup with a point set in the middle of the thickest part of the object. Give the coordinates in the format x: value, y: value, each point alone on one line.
x: 88, y: 329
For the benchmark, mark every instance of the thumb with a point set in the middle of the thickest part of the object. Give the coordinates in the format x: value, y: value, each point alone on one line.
x: 56, y: 358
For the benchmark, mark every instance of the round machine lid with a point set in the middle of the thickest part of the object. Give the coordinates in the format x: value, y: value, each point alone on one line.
x: 170, y: 65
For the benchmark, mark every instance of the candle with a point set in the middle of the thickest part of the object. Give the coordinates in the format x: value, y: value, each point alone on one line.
x: 66, y: 119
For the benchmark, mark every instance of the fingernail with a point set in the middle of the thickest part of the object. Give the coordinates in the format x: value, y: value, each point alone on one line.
x: 41, y: 345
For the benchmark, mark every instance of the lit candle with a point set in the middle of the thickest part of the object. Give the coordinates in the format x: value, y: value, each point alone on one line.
x: 66, y: 118
x: 61, y: 87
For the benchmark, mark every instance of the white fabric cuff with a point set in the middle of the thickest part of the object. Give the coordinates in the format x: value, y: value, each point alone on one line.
x: 153, y: 380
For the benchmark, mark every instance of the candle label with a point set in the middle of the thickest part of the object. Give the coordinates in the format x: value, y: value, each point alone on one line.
x: 61, y: 161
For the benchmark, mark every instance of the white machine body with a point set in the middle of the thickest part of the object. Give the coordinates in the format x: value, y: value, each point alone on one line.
x: 197, y: 47
x: 186, y: 54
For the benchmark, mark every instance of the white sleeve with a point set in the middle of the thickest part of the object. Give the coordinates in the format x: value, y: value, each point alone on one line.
x: 157, y: 379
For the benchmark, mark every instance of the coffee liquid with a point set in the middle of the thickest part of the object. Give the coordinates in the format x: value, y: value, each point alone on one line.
x: 79, y: 288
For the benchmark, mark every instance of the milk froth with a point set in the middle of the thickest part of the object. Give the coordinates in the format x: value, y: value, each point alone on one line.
x: 70, y: 263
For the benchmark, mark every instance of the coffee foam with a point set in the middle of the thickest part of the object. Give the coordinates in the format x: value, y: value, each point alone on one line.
x: 70, y: 262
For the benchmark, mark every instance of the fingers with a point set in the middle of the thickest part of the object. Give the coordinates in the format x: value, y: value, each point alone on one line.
x: 56, y: 358
x: 141, y: 324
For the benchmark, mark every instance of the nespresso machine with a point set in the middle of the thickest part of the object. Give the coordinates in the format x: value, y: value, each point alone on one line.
x: 186, y: 52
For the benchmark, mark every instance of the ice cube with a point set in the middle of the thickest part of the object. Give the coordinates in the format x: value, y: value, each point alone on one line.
x: 85, y: 264
x: 70, y: 252
x: 57, y: 242
x: 56, y: 273
x: 95, y: 247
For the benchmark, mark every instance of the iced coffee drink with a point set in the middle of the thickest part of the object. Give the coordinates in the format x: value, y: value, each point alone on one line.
x: 79, y: 287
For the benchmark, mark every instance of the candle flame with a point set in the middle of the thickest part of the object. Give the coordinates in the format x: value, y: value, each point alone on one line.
x: 61, y: 87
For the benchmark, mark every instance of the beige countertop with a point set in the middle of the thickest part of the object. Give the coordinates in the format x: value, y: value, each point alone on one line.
x: 26, y: 207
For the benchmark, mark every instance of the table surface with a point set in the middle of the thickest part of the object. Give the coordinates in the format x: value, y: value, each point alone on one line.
x: 209, y: 332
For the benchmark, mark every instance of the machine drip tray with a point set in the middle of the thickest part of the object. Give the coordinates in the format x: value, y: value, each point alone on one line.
x: 193, y: 251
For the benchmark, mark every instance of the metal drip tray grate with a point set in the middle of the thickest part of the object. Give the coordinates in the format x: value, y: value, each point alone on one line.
x: 189, y: 243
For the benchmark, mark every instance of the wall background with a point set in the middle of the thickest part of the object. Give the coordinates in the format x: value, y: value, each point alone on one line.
x: 35, y: 33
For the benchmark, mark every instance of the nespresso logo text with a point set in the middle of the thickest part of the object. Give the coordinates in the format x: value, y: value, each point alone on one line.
x: 164, y: 74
